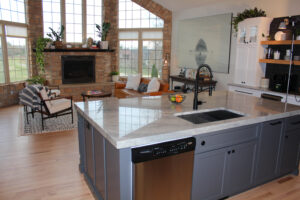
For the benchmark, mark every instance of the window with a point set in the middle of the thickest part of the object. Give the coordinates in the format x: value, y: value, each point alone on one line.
x: 140, y: 40
x: 51, y: 15
x: 77, y: 26
x: 13, y: 43
x: 131, y: 15
x: 12, y: 10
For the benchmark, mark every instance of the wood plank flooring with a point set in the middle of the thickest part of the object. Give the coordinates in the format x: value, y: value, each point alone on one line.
x: 44, y: 167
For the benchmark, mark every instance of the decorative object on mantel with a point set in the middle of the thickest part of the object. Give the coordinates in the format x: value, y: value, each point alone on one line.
x: 89, y: 42
x: 298, y: 34
x: 102, y: 33
x: 247, y: 13
x: 114, y: 76
x: 57, y: 36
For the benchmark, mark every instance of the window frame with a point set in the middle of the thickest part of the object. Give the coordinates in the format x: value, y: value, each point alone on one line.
x: 140, y: 44
x: 3, y: 36
x: 84, y: 20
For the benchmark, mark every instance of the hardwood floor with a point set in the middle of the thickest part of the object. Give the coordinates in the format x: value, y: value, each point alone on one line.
x: 46, y: 167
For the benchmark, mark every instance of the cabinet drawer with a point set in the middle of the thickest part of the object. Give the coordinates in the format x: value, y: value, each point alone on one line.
x: 293, y: 123
x: 226, y: 138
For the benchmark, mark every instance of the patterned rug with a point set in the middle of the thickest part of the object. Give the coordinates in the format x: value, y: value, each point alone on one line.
x: 34, y: 125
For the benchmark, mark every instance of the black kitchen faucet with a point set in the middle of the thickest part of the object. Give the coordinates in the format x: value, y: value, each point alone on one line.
x: 203, y: 67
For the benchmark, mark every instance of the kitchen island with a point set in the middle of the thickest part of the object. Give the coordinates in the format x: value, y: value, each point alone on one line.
x: 231, y: 156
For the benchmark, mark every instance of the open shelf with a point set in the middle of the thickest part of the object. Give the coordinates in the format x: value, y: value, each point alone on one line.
x: 284, y: 42
x: 281, y: 62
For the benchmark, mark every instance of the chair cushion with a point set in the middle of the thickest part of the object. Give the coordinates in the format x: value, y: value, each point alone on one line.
x: 45, y: 96
x: 153, y: 85
x: 59, y: 104
x: 133, y: 82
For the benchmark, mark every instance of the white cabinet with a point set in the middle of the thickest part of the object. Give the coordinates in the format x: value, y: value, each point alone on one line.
x: 248, y: 71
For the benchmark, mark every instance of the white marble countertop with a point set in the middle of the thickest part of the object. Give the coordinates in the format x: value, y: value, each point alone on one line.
x: 143, y: 121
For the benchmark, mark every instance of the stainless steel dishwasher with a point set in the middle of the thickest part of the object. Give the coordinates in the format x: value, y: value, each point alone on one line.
x: 164, y: 171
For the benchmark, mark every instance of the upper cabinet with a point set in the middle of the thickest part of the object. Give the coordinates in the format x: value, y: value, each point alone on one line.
x: 248, y: 71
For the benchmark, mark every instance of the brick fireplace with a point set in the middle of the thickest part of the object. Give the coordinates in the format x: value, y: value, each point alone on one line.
x: 102, y: 69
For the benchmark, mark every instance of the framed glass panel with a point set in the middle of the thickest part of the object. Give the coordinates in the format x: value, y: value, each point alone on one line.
x: 51, y: 15
x: 152, y: 55
x: 17, y: 58
x: 94, y: 16
x: 73, y: 21
x: 2, y: 75
x: 12, y: 10
x: 128, y: 57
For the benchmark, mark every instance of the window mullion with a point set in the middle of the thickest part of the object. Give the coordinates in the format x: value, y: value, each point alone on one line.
x: 140, y: 56
x: 84, y: 22
x: 5, y: 55
x: 63, y: 17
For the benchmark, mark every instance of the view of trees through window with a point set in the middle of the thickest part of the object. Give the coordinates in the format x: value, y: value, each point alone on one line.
x: 13, y: 43
x: 140, y: 40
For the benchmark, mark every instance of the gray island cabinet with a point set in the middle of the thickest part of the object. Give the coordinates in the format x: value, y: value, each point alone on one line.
x: 251, y: 151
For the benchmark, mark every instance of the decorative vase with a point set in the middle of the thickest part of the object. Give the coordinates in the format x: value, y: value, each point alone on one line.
x: 58, y: 44
x: 115, y: 78
x: 104, y: 44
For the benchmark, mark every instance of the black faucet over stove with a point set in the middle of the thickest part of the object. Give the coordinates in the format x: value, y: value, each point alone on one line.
x: 204, y: 69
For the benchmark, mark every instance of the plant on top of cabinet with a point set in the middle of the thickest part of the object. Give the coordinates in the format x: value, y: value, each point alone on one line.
x: 247, y: 13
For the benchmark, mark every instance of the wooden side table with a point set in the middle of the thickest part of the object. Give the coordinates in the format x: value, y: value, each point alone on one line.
x: 95, y: 94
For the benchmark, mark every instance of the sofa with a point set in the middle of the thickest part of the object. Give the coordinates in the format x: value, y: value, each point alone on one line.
x: 122, y: 92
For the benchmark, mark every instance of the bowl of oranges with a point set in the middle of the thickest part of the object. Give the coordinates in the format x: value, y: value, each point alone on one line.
x: 176, y: 98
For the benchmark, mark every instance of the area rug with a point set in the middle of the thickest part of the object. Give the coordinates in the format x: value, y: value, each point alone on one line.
x: 34, y: 125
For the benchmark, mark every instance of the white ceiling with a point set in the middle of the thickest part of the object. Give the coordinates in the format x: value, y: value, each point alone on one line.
x: 177, y: 5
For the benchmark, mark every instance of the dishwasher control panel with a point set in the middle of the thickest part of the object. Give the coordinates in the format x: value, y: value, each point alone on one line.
x: 152, y: 152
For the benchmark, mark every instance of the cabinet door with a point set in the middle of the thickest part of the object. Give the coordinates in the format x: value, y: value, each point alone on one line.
x: 290, y: 154
x: 89, y: 154
x: 268, y: 151
x: 208, y: 175
x: 241, y: 64
x: 99, y: 145
x: 252, y: 73
x: 239, y: 168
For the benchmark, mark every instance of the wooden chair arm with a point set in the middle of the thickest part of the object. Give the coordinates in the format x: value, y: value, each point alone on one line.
x: 66, y: 97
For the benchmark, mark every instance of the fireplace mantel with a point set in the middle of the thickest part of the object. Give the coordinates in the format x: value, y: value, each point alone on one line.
x: 77, y: 50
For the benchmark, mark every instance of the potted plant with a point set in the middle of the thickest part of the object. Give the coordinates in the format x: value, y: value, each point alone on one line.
x: 114, y: 76
x: 247, y: 13
x: 38, y: 79
x: 154, y: 72
x: 102, y: 33
x: 57, y: 36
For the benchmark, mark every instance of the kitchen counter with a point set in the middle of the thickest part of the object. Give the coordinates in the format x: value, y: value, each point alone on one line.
x: 141, y: 121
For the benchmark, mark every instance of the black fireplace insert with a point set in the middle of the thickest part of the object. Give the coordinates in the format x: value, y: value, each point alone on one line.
x: 78, y: 69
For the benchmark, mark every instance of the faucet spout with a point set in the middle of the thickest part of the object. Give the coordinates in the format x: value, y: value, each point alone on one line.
x: 196, y: 89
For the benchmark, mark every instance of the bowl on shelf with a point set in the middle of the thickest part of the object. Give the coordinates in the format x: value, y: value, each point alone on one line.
x: 176, y: 98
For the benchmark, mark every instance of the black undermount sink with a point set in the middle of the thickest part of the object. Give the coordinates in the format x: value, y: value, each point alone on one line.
x: 210, y: 116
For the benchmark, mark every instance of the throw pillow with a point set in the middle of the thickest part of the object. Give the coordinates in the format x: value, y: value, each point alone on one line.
x: 133, y: 82
x: 153, y: 86
x: 143, y: 87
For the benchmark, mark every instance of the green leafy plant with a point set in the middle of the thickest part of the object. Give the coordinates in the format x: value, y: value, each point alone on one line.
x: 103, y: 31
x: 154, y: 72
x: 113, y: 73
x: 247, y: 13
x: 56, y: 35
x: 39, y: 54
x: 39, y: 79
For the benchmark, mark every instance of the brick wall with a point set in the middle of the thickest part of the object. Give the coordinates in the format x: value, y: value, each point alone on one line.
x: 9, y: 94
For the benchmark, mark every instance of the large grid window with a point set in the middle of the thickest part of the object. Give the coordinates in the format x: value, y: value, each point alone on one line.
x: 74, y: 21
x: 140, y: 40
x: 13, y: 41
x: 79, y: 18
x: 93, y: 17
x: 52, y: 15
x: 128, y: 62
x: 17, y: 59
x: 152, y: 55
x: 131, y: 15
x: 12, y: 10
